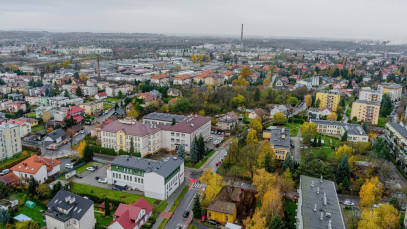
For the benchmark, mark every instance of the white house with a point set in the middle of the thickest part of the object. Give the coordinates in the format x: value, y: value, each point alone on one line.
x: 39, y: 168
x: 131, y: 216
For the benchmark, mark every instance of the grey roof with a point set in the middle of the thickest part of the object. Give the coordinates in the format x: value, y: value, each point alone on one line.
x: 368, y: 102
x: 399, y: 128
x: 353, y: 129
x: 76, y: 206
x: 56, y: 134
x: 119, y: 112
x: 164, y: 117
x: 163, y: 167
x: 277, y: 140
x: 310, y: 197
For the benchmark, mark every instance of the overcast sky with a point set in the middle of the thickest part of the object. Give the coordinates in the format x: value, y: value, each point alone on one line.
x: 353, y: 19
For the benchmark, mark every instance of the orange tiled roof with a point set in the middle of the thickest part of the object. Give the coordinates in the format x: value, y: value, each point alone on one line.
x: 34, y: 163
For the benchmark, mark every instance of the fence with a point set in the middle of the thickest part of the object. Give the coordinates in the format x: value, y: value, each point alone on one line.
x: 58, y: 175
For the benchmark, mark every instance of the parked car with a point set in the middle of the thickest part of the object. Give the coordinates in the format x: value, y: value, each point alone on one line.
x: 348, y: 203
x: 95, y: 166
x: 102, y: 180
x: 78, y: 175
x: 213, y: 222
x: 4, y: 172
x: 217, y: 163
x: 90, y: 169
x: 69, y: 166
x: 186, y: 214
x: 97, y: 178
x: 203, y: 218
x: 119, y: 187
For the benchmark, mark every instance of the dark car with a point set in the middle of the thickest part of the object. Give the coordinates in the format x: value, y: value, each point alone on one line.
x: 186, y: 214
x: 213, y: 222
x: 119, y: 187
x: 95, y: 166
x: 78, y: 175
x: 97, y: 178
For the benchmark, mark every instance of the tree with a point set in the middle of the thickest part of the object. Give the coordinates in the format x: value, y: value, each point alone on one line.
x: 55, y: 188
x: 87, y: 153
x: 83, y: 78
x: 345, y: 183
x: 333, y: 116
x: 214, y: 184
x: 181, y: 151
x: 318, y: 103
x: 257, y: 95
x: 196, y: 208
x: 344, y: 150
x: 252, y: 137
x: 308, y: 130
x: 380, y: 149
x: 201, y: 147
x: 66, y: 93
x: 292, y: 100
x: 173, y: 121
x: 266, y: 158
x: 194, y: 58
x: 343, y: 170
x: 131, y: 151
x: 237, y: 101
x: 66, y: 64
x: 249, y: 157
x: 4, y: 216
x: 46, y: 116
x: 319, y: 141
x: 194, y: 154
x: 133, y: 113
x: 4, y: 190
x: 308, y: 100
x: 32, y: 186
x: 395, y: 202
x: 79, y: 92
x: 272, y: 203
x: 246, y: 72
x: 345, y: 136
x: 181, y: 106
x: 107, y: 207
x: 279, y: 118
x: 120, y: 94
x: 370, y: 192
x: 386, y: 106
x: 288, y: 163
x: 384, y: 216
x: 81, y: 148
x: 277, y: 223
x: 43, y: 191
x: 256, y: 125
x: 233, y: 152
x: 27, y: 225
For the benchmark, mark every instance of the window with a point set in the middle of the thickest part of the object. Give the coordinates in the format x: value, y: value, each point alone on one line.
x: 209, y: 215
x: 226, y: 218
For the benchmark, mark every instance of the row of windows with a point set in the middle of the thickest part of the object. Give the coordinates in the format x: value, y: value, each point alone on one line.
x: 128, y: 178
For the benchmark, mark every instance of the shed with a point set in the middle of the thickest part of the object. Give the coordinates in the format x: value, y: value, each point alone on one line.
x: 30, y: 204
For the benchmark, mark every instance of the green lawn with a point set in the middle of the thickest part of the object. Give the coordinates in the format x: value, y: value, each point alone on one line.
x: 33, y: 213
x: 290, y: 208
x: 102, y: 220
x: 107, y: 106
x: 163, y: 223
x: 201, y: 162
x: 294, y: 128
x: 179, y: 198
x: 382, y: 122
x: 115, y: 100
x: 348, y: 112
x: 83, y: 167
x: 31, y: 114
x: 161, y: 207
x: 37, y: 128
x: 127, y: 198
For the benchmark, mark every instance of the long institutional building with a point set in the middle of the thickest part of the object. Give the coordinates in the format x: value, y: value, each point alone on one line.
x: 396, y: 139
x: 366, y: 111
x: 337, y: 129
x: 155, y: 132
x: 328, y: 99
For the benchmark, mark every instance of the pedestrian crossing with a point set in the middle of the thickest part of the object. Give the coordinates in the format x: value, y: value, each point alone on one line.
x: 197, y: 185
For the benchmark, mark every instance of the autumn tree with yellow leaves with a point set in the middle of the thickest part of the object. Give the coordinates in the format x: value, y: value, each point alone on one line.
x: 214, y: 184
x: 133, y: 113
x: 384, y: 216
x: 370, y: 192
x: 344, y: 150
x: 81, y: 148
x: 332, y: 116
x: 256, y: 125
x: 252, y: 137
x: 308, y: 100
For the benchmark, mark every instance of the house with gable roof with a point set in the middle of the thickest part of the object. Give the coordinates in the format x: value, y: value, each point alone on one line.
x: 131, y: 216
x: 40, y: 168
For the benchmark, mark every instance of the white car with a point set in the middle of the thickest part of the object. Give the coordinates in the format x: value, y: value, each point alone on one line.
x: 102, y: 180
x: 348, y: 203
x: 69, y: 166
x: 90, y: 169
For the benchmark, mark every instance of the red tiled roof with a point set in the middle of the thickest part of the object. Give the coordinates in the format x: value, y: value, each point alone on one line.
x: 9, y: 178
x: 101, y: 94
x: 75, y: 109
x: 126, y: 215
x: 78, y: 118
x: 173, y: 100
x: 34, y: 163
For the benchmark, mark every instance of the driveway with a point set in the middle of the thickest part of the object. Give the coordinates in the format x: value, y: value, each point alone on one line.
x: 89, y: 178
x: 296, y: 152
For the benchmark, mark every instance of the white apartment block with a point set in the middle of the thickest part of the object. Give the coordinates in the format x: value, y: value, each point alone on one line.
x: 10, y: 140
x: 367, y: 94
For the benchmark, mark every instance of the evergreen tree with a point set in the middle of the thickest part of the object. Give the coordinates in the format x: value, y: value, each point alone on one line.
x: 87, y: 153
x: 194, y: 157
x: 345, y: 183
x: 116, y: 106
x: 277, y: 223
x: 364, y: 126
x: 107, y: 207
x: 32, y: 186
x: 345, y: 136
x: 55, y: 188
x: 173, y: 121
x: 131, y: 152
x: 79, y: 92
x: 66, y: 93
x: 4, y: 216
x: 201, y: 147
x: 395, y: 202
x: 268, y: 163
x: 343, y: 170
x: 319, y: 142
x: 196, y: 208
x: 288, y: 163
x: 181, y: 151
x: 386, y: 106
x: 257, y: 95
x: 315, y: 143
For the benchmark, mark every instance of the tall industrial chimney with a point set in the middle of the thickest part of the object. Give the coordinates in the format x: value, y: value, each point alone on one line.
x: 241, y: 38
x: 98, y: 68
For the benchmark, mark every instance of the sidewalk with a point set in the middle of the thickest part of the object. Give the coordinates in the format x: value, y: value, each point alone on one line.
x: 170, y: 202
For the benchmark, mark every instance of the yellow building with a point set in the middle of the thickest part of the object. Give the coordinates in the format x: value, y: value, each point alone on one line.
x: 392, y: 89
x: 92, y: 107
x: 366, y: 111
x: 222, y: 211
x: 328, y: 99
x: 280, y: 142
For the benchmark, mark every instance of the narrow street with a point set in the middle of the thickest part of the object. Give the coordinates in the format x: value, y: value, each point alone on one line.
x: 296, y: 152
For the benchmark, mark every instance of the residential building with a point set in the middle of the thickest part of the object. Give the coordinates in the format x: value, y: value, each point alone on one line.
x: 113, y: 91
x: 13, y: 107
x: 101, y: 96
x: 160, y: 79
x: 366, y: 111
x: 278, y: 108
x: 118, y: 134
x: 67, y: 210
x: 156, y: 118
x: 328, y: 99
x: 25, y: 127
x: 39, y: 168
x: 337, y: 129
x: 257, y: 113
x: 89, y: 90
x: 39, y: 111
x: 131, y: 216
x: 92, y: 108
x: 32, y: 100
x: 58, y: 101
x: 318, y: 205
x: 215, y: 80
x: 396, y: 139
x: 228, y: 121
x: 10, y: 140
x: 392, y: 89
x: 280, y: 142
x: 222, y: 211
x: 55, y: 137
x: 183, y: 79
x: 174, y: 92
x: 157, y: 179
x: 367, y: 94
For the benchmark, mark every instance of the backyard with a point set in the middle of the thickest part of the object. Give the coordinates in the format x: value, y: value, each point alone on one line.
x: 107, y: 106
x: 34, y: 213
x: 114, y: 100
x: 101, y: 220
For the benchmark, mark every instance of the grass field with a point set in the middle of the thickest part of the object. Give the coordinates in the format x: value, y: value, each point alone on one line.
x: 294, y: 128
x: 115, y: 100
x: 37, y: 128
x: 382, y: 122
x: 34, y: 213
x: 161, y: 207
x: 127, y: 198
x: 102, y: 220
x: 201, y: 162
x: 31, y: 114
x: 179, y: 198
x: 290, y: 208
x: 163, y: 223
x: 83, y: 167
x: 107, y: 106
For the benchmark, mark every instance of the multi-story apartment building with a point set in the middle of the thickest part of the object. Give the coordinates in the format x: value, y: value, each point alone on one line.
x: 118, y: 134
x: 10, y: 140
x: 392, y: 89
x: 158, y: 179
x: 90, y: 90
x: 58, y: 101
x: 113, y: 91
x: 337, y: 129
x: 396, y: 139
x: 367, y: 94
x: 328, y: 99
x: 366, y: 111
x: 92, y: 107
